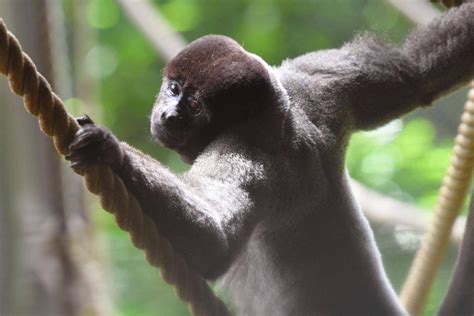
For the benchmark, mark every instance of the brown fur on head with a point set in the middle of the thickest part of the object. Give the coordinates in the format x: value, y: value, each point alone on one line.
x: 222, y: 73
x: 229, y: 84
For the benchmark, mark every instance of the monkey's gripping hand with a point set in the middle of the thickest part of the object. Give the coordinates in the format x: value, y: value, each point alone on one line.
x: 94, y: 144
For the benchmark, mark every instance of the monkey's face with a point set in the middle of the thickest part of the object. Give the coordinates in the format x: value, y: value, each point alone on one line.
x: 209, y: 87
x: 178, y: 117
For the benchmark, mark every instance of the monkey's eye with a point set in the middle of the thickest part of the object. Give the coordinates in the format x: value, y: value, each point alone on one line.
x: 194, y: 106
x: 174, y: 88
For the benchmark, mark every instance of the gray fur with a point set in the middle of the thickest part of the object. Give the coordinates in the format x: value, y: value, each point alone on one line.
x: 459, y: 298
x: 266, y: 204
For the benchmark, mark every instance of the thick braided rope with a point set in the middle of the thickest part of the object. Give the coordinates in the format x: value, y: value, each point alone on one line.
x: 452, y: 193
x: 54, y: 121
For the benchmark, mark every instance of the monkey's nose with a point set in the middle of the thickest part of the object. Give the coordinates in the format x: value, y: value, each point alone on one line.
x: 169, y: 119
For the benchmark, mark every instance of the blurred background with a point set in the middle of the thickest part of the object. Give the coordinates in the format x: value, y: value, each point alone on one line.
x: 61, y: 254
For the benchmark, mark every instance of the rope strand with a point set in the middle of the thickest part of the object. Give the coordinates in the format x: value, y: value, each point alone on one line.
x: 41, y: 101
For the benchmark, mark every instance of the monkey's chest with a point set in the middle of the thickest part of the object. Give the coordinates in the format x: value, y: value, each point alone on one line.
x: 253, y: 281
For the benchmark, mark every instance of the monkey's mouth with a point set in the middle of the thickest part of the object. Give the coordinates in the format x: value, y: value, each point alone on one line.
x: 170, y: 139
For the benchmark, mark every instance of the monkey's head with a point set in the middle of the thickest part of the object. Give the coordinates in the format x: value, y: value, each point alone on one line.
x: 210, y: 86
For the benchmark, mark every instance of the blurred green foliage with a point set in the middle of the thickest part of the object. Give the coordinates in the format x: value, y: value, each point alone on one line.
x: 401, y: 161
x: 404, y: 159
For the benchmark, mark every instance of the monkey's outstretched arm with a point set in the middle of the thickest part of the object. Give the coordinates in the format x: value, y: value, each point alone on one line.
x: 372, y: 82
x: 443, y: 52
x: 204, y: 217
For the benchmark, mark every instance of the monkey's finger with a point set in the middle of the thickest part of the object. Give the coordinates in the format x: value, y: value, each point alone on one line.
x: 78, y: 164
x: 84, y: 120
x: 86, y: 153
x: 75, y: 157
x: 84, y: 139
x: 82, y: 164
x: 83, y: 131
x: 90, y: 129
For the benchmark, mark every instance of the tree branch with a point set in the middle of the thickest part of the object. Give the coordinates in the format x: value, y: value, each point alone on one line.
x: 418, y: 11
x: 154, y: 26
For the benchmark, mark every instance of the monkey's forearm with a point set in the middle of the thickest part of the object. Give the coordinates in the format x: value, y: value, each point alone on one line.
x: 186, y: 219
x: 194, y: 218
x: 443, y: 52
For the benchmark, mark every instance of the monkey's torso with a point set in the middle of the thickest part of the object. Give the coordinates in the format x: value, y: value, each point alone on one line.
x: 312, y: 251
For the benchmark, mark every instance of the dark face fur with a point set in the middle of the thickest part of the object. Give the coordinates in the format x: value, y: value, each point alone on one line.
x: 211, y: 85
